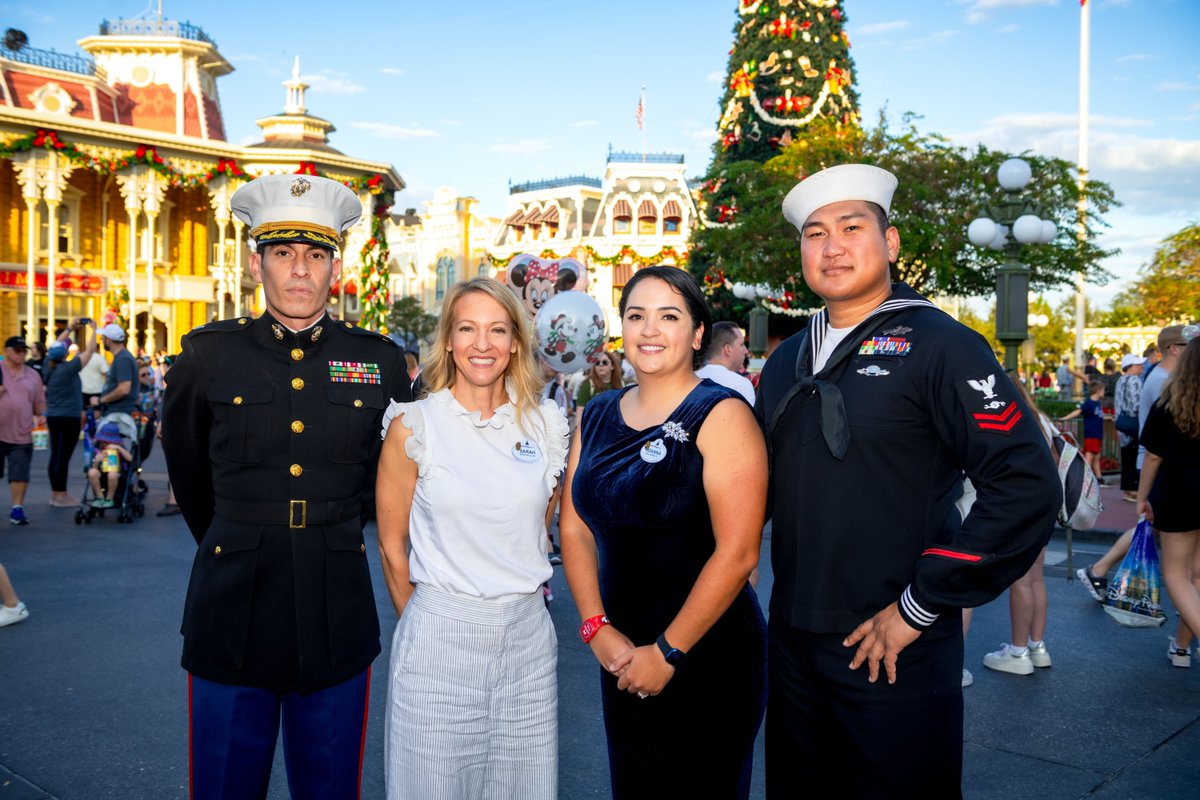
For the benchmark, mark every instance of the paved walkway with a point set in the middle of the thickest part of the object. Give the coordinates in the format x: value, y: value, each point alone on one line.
x: 93, y: 702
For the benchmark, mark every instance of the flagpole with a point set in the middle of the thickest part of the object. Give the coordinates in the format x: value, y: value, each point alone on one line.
x: 1085, y: 25
x: 642, y: 123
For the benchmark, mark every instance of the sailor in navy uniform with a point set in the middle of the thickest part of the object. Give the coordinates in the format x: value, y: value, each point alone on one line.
x: 271, y: 434
x: 873, y: 415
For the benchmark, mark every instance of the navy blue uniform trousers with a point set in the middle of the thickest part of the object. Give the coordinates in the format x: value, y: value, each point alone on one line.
x: 233, y: 729
x: 827, y: 726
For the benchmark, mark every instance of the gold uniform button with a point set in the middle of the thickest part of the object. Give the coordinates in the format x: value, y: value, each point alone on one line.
x: 358, y: 403
x: 296, y: 470
x: 217, y: 550
x: 242, y: 321
x: 297, y: 354
x: 297, y: 383
x: 237, y: 401
x: 362, y: 548
x: 347, y: 324
x: 297, y: 426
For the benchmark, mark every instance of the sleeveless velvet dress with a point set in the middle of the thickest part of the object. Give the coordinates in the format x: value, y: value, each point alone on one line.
x: 642, y: 495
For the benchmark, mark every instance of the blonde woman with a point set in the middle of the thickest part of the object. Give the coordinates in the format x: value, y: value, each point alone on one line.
x: 464, y: 483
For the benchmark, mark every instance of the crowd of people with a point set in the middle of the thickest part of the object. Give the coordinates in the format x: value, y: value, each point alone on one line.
x: 663, y: 467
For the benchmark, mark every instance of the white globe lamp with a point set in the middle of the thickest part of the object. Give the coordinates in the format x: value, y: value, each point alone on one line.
x: 1014, y: 174
x: 981, y: 231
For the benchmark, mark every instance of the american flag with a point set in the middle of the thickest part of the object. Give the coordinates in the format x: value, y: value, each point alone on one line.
x: 641, y: 111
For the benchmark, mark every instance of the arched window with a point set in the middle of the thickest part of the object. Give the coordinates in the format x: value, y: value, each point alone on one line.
x: 672, y: 217
x: 622, y: 217
x: 647, y: 218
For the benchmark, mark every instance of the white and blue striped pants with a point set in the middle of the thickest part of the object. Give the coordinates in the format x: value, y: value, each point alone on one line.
x: 472, y: 710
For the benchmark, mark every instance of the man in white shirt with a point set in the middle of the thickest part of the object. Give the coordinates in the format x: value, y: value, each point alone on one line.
x: 726, y: 356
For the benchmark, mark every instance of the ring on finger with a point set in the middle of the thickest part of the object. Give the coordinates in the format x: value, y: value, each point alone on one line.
x: 642, y: 695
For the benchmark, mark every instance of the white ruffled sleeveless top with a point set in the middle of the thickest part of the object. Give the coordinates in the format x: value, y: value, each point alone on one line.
x: 477, y: 526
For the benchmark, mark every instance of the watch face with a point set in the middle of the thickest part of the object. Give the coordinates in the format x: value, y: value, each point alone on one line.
x: 675, y: 657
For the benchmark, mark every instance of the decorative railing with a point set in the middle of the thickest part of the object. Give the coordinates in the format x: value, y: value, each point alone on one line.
x: 51, y: 59
x: 154, y: 27
x: 554, y: 183
x: 646, y: 158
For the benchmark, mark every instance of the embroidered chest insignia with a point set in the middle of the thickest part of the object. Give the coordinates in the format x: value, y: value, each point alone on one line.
x: 316, y: 334
x: 673, y: 430
x: 885, y: 346
x: 987, y: 385
x: 873, y: 371
x: 899, y: 330
x: 277, y: 330
x: 354, y: 372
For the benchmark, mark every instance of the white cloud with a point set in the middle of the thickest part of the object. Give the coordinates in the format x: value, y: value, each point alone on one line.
x: 524, y: 147
x: 327, y: 82
x: 932, y: 40
x: 583, y: 123
x: 716, y: 76
x: 979, y: 10
x: 882, y: 27
x: 1172, y: 86
x: 453, y: 123
x: 386, y: 130
x: 391, y: 70
x: 1011, y: 28
x: 701, y: 135
x: 1135, y: 57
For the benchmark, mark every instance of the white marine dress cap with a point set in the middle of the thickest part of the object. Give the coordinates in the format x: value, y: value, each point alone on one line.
x: 296, y: 208
x: 836, y: 184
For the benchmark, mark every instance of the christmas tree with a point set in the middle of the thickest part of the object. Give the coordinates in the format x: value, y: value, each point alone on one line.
x: 790, y: 65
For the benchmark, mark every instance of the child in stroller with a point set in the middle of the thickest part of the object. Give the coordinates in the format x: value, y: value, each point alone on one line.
x: 112, y: 476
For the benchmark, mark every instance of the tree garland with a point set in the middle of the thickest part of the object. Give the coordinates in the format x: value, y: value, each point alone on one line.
x: 626, y: 252
x: 373, y: 294
x: 147, y: 155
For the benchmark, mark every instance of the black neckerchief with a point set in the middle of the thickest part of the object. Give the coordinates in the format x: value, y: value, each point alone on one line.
x: 835, y: 426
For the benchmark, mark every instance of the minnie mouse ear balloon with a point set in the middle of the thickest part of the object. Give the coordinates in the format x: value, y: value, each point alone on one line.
x: 571, y: 330
x: 536, y: 280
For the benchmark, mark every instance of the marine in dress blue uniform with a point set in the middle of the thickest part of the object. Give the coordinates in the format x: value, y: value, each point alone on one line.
x: 271, y: 435
x: 869, y: 436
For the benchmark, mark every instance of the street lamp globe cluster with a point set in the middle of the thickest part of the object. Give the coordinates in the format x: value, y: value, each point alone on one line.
x: 1008, y: 226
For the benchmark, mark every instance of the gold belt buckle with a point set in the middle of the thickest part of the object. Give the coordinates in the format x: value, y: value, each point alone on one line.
x: 302, y: 505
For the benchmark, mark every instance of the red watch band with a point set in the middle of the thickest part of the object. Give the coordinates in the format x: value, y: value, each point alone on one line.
x: 592, y: 626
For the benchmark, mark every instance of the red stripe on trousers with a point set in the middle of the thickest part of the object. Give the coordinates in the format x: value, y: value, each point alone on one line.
x: 362, y: 744
x: 937, y: 551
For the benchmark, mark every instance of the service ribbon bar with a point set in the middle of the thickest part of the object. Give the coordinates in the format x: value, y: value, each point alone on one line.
x: 354, y: 372
x: 885, y: 346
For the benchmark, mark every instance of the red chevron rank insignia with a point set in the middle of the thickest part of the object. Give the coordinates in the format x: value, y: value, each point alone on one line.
x: 999, y: 423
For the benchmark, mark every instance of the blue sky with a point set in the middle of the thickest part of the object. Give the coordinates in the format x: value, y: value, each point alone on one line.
x: 472, y: 94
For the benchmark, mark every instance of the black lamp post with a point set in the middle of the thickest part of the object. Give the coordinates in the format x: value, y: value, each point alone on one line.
x: 1008, y: 226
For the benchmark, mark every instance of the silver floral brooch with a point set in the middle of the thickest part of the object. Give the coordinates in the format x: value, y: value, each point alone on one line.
x: 673, y: 430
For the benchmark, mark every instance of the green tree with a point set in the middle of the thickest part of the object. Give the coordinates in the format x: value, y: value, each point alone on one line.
x: 409, y: 321
x: 941, y: 186
x: 789, y: 66
x: 1168, y: 288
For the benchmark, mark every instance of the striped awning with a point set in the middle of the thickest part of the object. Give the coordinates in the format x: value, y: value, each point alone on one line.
x: 550, y: 216
x: 672, y: 211
x: 515, y: 218
x: 622, y: 273
x: 534, y: 217
x: 647, y: 210
x: 621, y: 210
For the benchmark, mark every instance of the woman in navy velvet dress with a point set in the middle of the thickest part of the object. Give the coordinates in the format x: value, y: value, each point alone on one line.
x: 661, y: 526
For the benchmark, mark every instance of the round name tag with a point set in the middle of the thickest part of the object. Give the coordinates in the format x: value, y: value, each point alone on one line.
x: 653, y: 452
x: 526, y: 451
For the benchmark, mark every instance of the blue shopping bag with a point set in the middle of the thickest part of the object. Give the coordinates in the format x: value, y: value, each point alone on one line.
x: 1134, y: 592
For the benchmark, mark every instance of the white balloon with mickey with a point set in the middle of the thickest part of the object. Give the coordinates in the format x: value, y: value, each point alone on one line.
x: 571, y: 330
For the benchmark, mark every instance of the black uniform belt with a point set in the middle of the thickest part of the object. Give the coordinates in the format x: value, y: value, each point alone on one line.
x: 293, y: 513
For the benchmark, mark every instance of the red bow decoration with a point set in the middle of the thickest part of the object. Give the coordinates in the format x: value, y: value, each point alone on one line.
x: 307, y: 168
x: 540, y: 269
x: 783, y: 26
x: 726, y: 213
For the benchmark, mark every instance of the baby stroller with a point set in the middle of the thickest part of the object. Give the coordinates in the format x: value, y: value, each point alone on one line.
x: 128, y: 494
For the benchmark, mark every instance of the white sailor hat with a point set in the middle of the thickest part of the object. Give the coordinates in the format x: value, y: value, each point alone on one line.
x: 835, y: 184
x: 296, y: 208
